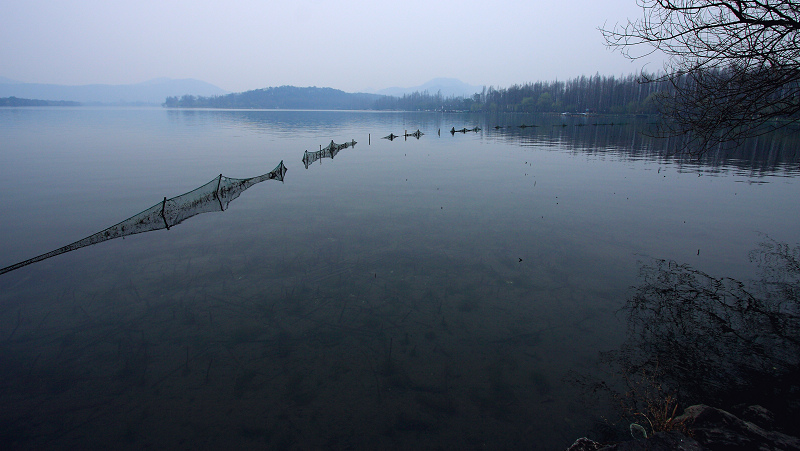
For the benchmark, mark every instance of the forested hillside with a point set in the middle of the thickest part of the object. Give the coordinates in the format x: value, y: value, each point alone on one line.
x: 598, y: 94
x: 284, y: 97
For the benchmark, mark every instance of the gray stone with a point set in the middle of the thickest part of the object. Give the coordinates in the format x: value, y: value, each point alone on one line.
x: 584, y: 444
x: 719, y: 430
x: 660, y: 441
x: 759, y: 416
x: 710, y: 429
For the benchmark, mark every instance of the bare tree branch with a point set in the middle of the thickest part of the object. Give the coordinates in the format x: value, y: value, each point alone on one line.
x: 733, y: 70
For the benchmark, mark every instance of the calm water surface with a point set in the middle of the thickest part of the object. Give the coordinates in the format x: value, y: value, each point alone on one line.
x: 439, y: 292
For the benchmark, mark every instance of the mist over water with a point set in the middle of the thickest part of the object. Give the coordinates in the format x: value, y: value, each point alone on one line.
x: 439, y: 291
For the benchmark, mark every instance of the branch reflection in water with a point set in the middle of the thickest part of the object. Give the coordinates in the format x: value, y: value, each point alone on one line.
x: 694, y: 338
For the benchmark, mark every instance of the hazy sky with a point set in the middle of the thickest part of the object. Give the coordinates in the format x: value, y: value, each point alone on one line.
x: 351, y: 45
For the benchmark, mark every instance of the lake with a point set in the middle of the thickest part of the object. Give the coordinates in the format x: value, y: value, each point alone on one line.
x: 433, y: 292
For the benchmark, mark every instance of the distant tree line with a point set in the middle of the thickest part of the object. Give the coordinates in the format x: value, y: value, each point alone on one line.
x: 423, y: 101
x: 599, y: 94
x: 15, y: 101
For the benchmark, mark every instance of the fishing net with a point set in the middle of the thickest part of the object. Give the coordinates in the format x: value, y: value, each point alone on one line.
x: 213, y: 196
x: 329, y: 151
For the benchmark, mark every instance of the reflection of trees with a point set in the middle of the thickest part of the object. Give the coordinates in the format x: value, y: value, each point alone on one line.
x: 717, y: 341
x: 627, y: 137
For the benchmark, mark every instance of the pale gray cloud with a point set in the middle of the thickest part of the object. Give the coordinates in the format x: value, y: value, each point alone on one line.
x: 350, y: 44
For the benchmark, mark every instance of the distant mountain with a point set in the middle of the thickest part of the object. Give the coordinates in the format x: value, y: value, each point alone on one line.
x: 149, y: 92
x: 283, y: 97
x: 448, y: 86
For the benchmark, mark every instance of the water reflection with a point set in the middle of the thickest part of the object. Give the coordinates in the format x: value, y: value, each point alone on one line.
x: 436, y: 294
x: 716, y: 341
x: 624, y: 137
x: 215, y: 195
x: 631, y: 138
x: 290, y: 123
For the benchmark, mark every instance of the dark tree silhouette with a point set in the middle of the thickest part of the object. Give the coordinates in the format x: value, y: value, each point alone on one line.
x: 733, y: 70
